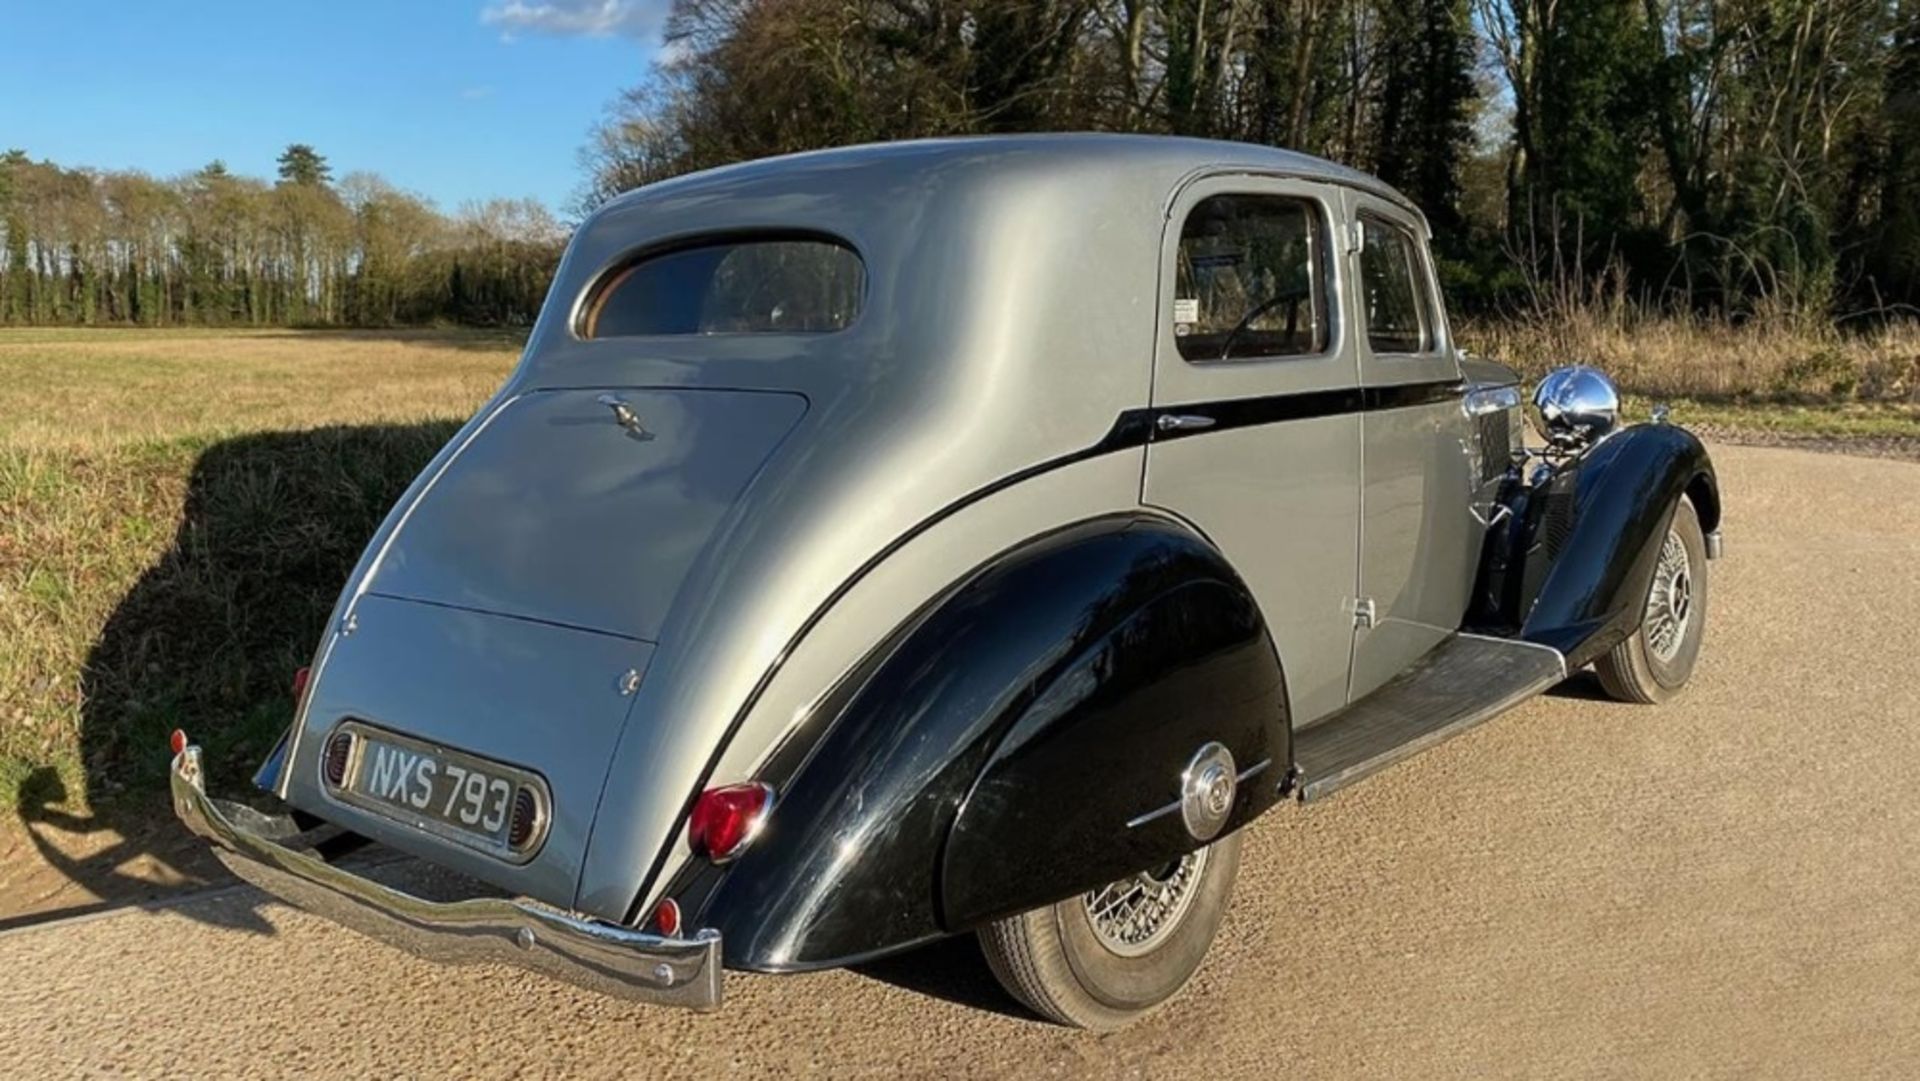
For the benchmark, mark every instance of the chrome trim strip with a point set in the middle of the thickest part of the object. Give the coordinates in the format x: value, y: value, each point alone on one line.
x: 1174, y: 808
x: 599, y: 956
x: 1481, y: 401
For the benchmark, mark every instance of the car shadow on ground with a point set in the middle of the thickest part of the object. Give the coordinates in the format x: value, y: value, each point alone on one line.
x: 207, y: 640
x: 465, y: 339
x: 1582, y: 686
x: 953, y: 969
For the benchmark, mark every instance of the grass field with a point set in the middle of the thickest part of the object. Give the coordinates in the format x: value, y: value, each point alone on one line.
x: 178, y: 510
x: 177, y: 513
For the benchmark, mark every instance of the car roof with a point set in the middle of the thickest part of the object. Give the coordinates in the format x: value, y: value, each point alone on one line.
x: 1160, y: 162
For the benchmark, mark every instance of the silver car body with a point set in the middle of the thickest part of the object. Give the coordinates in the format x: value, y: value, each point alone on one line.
x: 636, y: 618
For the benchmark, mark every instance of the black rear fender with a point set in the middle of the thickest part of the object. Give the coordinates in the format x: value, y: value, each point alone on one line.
x: 990, y: 756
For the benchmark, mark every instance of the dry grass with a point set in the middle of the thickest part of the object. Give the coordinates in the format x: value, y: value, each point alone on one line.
x: 177, y: 512
x: 1759, y: 378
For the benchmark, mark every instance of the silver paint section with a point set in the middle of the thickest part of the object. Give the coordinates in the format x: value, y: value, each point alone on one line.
x: 540, y: 698
x: 1281, y: 501
x: 556, y: 513
x: 1419, y: 538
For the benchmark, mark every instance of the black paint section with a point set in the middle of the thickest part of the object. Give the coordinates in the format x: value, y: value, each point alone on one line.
x: 1571, y: 567
x: 1277, y: 408
x: 989, y: 758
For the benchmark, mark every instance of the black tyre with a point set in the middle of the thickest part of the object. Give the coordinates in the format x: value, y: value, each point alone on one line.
x: 1655, y: 662
x: 1110, y: 956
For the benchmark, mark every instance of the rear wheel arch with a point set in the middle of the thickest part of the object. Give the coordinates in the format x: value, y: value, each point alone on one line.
x: 857, y: 856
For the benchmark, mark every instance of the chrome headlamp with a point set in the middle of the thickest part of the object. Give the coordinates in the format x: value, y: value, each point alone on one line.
x: 1576, y: 406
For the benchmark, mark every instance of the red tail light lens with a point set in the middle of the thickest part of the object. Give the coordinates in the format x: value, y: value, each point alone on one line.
x: 300, y: 686
x: 725, y: 819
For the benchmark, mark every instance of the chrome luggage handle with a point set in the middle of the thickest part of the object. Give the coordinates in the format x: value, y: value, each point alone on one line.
x: 624, y: 415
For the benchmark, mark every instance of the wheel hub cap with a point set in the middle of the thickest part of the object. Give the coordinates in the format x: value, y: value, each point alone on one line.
x: 1670, y: 604
x: 1139, y: 912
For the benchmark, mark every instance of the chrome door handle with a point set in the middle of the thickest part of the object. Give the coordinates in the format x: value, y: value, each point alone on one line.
x: 624, y: 415
x: 1182, y: 422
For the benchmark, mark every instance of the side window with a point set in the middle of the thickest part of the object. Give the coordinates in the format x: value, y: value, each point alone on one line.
x: 1249, y: 280
x: 1394, y: 290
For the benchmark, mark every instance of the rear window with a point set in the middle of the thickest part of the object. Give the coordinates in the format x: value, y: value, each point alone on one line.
x: 762, y: 285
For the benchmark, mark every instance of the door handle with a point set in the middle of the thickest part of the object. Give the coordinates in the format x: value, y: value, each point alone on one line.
x: 1183, y: 422
x: 624, y: 415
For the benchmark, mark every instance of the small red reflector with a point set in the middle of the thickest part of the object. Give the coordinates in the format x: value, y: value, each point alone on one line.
x: 178, y: 741
x: 726, y: 818
x: 666, y: 917
x: 300, y: 684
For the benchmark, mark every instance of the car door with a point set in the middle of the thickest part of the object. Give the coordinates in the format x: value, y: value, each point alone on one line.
x: 1257, y: 434
x: 1419, y: 540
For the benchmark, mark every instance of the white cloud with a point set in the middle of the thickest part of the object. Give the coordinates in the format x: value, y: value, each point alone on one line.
x: 588, y: 18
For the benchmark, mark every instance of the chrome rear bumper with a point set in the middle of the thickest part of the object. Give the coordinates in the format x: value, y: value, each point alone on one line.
x: 594, y: 954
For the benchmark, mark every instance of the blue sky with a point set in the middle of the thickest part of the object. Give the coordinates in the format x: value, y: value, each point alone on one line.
x: 453, y: 99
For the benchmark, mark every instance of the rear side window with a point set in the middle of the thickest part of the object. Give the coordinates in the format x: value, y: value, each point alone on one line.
x: 762, y: 285
x: 1250, y: 280
x: 1394, y: 289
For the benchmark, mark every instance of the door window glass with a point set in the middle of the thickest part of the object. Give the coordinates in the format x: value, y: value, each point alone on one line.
x: 1249, y: 279
x: 1393, y: 289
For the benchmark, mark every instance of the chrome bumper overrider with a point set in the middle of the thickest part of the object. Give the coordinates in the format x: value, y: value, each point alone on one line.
x: 600, y: 956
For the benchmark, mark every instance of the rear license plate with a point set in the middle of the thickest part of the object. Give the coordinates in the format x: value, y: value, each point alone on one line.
x: 442, y: 790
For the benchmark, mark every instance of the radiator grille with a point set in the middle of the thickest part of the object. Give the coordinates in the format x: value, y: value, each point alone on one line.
x: 1495, y: 433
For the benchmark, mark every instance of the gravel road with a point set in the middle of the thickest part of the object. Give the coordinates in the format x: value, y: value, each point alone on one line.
x: 1728, y: 885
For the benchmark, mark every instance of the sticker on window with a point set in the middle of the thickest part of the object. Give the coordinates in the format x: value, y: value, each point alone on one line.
x: 1186, y: 311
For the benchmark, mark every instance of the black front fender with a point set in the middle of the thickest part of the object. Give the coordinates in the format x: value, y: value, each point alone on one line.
x: 1571, y: 567
x: 990, y: 756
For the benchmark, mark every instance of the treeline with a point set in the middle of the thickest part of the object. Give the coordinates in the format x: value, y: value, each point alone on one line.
x: 1735, y: 157
x: 82, y: 246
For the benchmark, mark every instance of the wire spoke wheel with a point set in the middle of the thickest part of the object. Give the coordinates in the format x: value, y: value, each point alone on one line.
x: 1134, y: 915
x: 1670, y: 604
x: 1656, y: 661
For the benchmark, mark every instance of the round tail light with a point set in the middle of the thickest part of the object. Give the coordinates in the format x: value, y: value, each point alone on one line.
x: 666, y: 917
x: 334, y: 765
x: 524, y: 826
x: 725, y: 819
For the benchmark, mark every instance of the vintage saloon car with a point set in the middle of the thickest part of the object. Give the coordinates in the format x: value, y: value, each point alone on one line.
x: 888, y: 543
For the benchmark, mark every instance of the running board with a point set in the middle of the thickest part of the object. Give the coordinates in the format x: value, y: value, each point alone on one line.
x: 1463, y: 681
